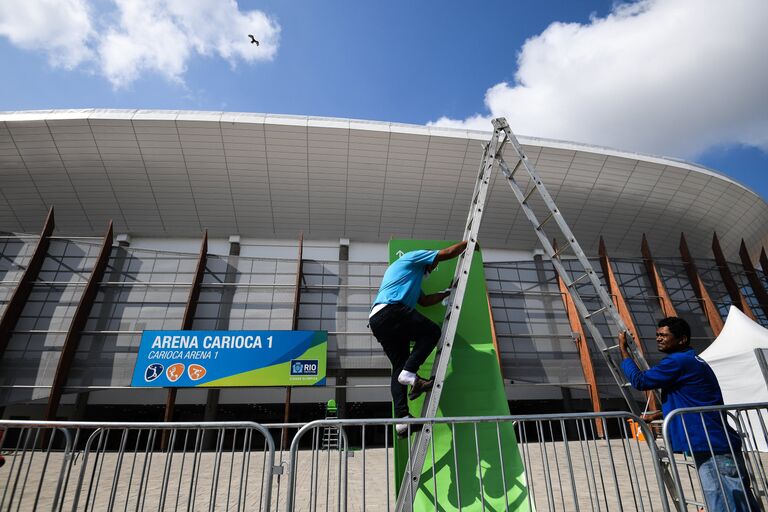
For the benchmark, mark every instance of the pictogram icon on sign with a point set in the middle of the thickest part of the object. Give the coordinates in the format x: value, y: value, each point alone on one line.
x: 175, y: 371
x: 196, y: 372
x: 153, y: 371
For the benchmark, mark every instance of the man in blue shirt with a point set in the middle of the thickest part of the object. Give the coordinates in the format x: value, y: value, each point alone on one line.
x: 686, y: 380
x: 395, y: 322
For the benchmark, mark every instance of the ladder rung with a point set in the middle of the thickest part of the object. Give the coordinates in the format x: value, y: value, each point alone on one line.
x: 590, y: 315
x: 578, y: 279
x: 612, y: 347
x: 529, y: 194
x: 561, y: 250
x: 549, y: 217
x: 505, y: 169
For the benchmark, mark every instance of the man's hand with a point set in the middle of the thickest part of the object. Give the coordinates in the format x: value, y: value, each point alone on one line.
x: 623, y: 344
x: 433, y: 298
x: 651, y: 416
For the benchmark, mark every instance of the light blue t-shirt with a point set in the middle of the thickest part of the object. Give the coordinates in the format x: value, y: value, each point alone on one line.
x: 402, y: 280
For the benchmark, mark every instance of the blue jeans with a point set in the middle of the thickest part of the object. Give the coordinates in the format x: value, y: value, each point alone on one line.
x: 725, y: 482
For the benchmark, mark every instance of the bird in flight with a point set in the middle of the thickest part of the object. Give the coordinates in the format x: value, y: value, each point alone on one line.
x: 253, y: 39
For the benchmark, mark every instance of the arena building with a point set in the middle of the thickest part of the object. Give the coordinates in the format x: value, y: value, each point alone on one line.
x: 114, y: 222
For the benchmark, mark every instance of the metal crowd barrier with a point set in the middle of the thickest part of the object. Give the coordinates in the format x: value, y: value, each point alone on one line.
x: 329, y: 440
x: 90, y: 466
x: 562, y: 461
x: 740, y: 482
x: 598, y: 462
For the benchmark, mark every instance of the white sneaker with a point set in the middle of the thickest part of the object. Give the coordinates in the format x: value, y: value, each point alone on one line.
x: 406, y: 378
x: 402, y: 428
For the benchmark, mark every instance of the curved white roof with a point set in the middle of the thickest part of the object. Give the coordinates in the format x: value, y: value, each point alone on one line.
x: 173, y: 173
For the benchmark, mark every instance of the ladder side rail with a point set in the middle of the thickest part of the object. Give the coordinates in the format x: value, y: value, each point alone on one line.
x: 460, y: 280
x: 478, y: 185
x: 412, y: 474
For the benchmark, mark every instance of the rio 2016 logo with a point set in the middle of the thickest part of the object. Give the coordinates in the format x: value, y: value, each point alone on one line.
x: 304, y: 367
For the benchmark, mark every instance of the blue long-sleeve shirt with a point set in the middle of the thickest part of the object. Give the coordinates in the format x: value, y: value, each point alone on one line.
x: 686, y: 380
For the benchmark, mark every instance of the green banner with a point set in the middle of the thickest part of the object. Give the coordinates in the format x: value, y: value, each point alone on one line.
x: 473, y: 387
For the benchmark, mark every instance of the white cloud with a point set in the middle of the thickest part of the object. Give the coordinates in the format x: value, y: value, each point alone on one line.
x: 60, y: 28
x: 145, y: 39
x: 138, y: 36
x: 673, y: 77
x: 218, y: 27
x: 160, y: 36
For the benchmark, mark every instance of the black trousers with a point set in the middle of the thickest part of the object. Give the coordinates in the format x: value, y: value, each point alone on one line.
x: 394, y: 327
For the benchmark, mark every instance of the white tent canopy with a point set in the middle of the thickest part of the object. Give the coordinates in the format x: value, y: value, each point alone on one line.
x: 733, y: 359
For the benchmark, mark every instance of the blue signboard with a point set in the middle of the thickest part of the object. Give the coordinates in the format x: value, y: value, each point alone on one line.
x: 231, y: 358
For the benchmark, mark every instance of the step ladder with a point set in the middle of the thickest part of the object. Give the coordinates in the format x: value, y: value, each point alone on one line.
x: 331, y: 436
x: 586, y: 281
x: 331, y: 433
x: 418, y: 449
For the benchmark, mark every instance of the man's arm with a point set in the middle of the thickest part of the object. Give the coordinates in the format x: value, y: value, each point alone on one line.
x: 450, y: 252
x: 432, y: 298
x: 661, y: 376
x: 442, y: 255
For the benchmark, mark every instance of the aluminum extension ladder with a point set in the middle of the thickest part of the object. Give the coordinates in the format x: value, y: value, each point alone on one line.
x: 586, y: 278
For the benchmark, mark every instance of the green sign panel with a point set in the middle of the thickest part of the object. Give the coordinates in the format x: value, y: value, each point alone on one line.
x: 473, y: 387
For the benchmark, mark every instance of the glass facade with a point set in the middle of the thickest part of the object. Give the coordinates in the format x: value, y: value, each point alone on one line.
x: 140, y: 290
x: 740, y: 276
x: 642, y: 302
x: 15, y: 252
x: 246, y: 293
x: 145, y: 289
x: 685, y: 302
x: 30, y: 359
x: 532, y: 328
x: 336, y: 296
x: 713, y: 282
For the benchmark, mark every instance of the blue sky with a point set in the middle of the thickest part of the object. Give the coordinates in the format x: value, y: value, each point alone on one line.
x: 650, y: 76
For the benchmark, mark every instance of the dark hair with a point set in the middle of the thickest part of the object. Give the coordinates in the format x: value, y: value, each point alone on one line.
x: 677, y: 326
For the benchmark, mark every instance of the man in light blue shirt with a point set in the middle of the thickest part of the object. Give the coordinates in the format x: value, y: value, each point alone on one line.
x: 395, y: 322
